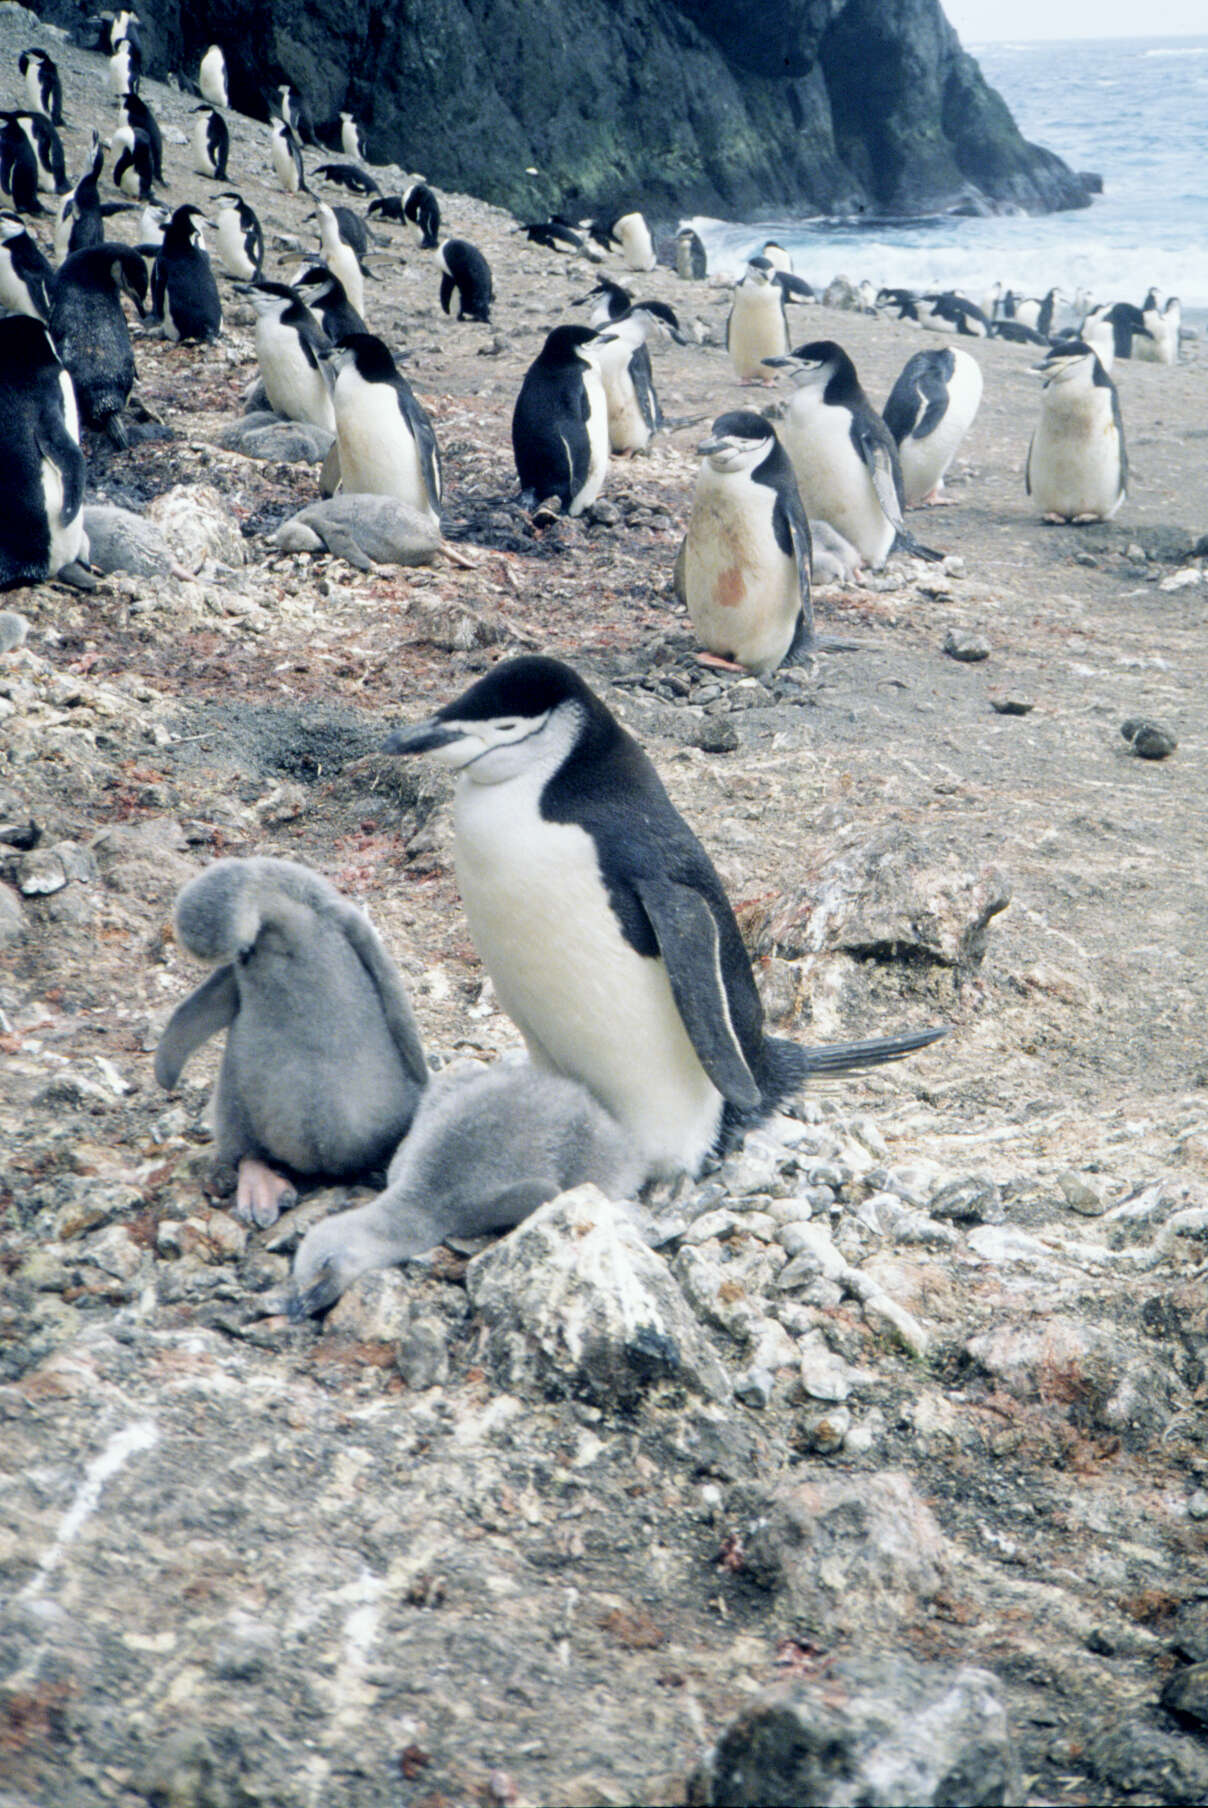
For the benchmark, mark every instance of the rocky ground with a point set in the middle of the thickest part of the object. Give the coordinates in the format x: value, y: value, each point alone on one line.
x: 909, y: 1431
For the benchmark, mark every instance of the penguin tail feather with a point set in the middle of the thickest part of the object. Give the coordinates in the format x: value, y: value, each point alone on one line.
x: 906, y: 542
x: 842, y: 1057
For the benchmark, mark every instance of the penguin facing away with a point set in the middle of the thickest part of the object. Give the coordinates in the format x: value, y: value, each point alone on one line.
x: 41, y: 465
x: 212, y: 77
x: 350, y: 138
x: 743, y: 571
x: 930, y: 409
x: 137, y: 114
x: 133, y: 163
x: 845, y: 457
x: 211, y: 143
x: 238, y: 238
x: 47, y: 148
x: 756, y: 328
x: 19, y: 168
x: 487, y: 1146
x: 90, y: 332
x: 421, y: 210
x: 323, y: 1065
x: 602, y: 922
x: 560, y: 423
x: 290, y: 346
x: 632, y: 235
x: 1077, y: 468
x: 387, y: 445
x: 468, y: 275
x: 183, y: 289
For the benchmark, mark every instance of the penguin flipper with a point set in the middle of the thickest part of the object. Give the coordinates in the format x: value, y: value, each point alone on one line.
x: 56, y: 444
x: 396, y: 1007
x: 425, y: 439
x: 687, y: 934
x: 933, y: 393
x: 881, y: 465
x: 1027, y: 469
x: 447, y: 286
x: 204, y: 1012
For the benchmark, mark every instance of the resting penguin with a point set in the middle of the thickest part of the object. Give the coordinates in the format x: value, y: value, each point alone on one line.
x: 323, y: 1066
x: 623, y: 361
x: 347, y: 175
x: 287, y: 158
x: 42, y: 85
x: 953, y: 313
x: 601, y: 921
x: 1077, y: 467
x: 929, y: 411
x: 387, y: 446
x: 843, y: 453
x: 366, y: 530
x: 183, y: 290
x: 212, y: 77
x: 90, y: 333
x: 553, y: 235
x: 632, y: 235
x: 211, y: 143
x: 743, y: 571
x: 41, y: 465
x: 238, y: 238
x: 560, y: 423
x: 289, y: 346
x: 324, y: 295
x: 26, y: 277
x: 756, y: 328
x: 487, y: 1146
x: 691, y: 260
x: 467, y: 273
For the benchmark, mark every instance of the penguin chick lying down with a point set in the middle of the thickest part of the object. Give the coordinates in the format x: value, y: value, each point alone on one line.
x: 488, y: 1146
x: 323, y: 1065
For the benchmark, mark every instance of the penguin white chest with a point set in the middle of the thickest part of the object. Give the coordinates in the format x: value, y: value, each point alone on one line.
x: 628, y: 429
x: 597, y: 441
x: 587, y: 1005
x: 924, y: 461
x: 743, y: 593
x: 67, y: 540
x: 293, y: 386
x: 1074, y: 461
x: 834, y: 481
x: 230, y: 246
x: 757, y: 329
x: 378, y: 454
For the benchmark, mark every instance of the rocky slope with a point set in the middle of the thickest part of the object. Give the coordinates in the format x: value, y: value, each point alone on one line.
x: 818, y: 106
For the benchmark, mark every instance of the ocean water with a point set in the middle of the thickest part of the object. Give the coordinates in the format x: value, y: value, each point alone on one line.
x: 1134, y: 109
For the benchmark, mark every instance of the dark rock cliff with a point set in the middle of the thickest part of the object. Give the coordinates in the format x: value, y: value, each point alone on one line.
x: 736, y: 107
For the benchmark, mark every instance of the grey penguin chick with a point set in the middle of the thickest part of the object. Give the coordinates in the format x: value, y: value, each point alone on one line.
x: 323, y: 1065
x: 486, y: 1148
x: 366, y: 530
x: 1077, y: 467
x: 602, y: 921
x: 930, y: 409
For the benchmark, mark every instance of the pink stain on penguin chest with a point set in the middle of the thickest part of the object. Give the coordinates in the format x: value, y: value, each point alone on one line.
x: 731, y: 587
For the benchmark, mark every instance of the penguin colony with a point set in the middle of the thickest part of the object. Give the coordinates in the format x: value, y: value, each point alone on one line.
x: 595, y: 910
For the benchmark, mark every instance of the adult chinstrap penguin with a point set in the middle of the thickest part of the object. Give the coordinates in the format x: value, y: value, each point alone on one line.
x: 602, y: 922
x: 212, y: 78
x: 845, y: 457
x: 19, y: 167
x: 631, y: 235
x: 286, y: 154
x: 929, y: 411
x: 552, y: 235
x: 290, y: 346
x: 47, y: 148
x: 324, y: 295
x: 184, y: 293
x: 211, y: 143
x: 41, y: 465
x: 138, y: 115
x: 26, y: 276
x: 623, y: 361
x: 323, y: 1066
x: 691, y: 258
x: 416, y: 207
x: 487, y: 1146
x: 387, y: 443
x: 238, y: 238
x: 756, y: 327
x: 342, y: 245
x: 90, y: 333
x: 1077, y: 467
x: 42, y: 84
x: 468, y: 275
x: 560, y: 423
x: 133, y: 163
x: 347, y: 175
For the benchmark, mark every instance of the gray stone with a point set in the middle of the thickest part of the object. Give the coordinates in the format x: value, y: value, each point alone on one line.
x: 969, y: 648
x: 973, y: 1199
x: 12, y: 918
x: 365, y: 530
x: 1185, y: 1695
x: 423, y: 1353
x: 1081, y: 1195
x: 1150, y: 740
x: 870, y: 1730
x: 574, y: 1299
x: 120, y: 540
x: 375, y: 1309
x: 1132, y: 1757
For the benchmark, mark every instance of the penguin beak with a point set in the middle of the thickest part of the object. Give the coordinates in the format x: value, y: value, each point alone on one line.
x: 425, y: 737
x: 708, y: 446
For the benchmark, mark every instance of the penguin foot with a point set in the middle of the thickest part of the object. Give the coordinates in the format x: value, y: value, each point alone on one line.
x: 716, y: 660
x: 260, y: 1195
x: 78, y: 576
x: 936, y: 500
x: 1054, y: 520
x: 115, y: 429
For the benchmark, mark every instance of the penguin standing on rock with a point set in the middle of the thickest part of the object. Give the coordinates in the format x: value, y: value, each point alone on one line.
x: 560, y: 423
x: 212, y: 77
x: 238, y: 238
x: 90, y: 332
x: 845, y: 457
x: 41, y: 465
x: 211, y: 143
x: 1077, y: 467
x: 387, y: 446
x: 466, y: 273
x: 602, y: 922
x: 756, y: 328
x: 290, y: 346
x: 42, y: 84
x: 929, y: 411
x: 183, y: 290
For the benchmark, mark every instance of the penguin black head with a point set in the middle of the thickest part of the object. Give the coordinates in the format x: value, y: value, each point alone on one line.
x: 370, y: 356
x: 563, y: 347
x: 529, y: 711
x: 821, y: 363
x: 761, y: 269
x: 181, y: 232
x: 27, y: 345
x: 665, y: 315
x: 737, y: 441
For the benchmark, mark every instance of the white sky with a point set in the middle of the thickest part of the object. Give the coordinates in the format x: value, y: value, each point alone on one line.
x: 978, y: 21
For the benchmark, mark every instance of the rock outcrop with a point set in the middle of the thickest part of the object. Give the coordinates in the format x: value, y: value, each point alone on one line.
x: 815, y: 106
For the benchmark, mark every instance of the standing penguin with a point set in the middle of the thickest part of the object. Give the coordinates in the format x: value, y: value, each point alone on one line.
x: 133, y: 163
x: 756, y: 328
x: 289, y: 346
x: 137, y: 114
x: 387, y: 446
x: 212, y: 77
x: 47, y: 148
x: 1077, y: 467
x: 845, y: 457
x: 82, y: 216
x: 929, y: 411
x: 42, y: 84
x: 125, y: 68
x: 26, y: 277
x: 743, y: 571
x: 183, y: 290
x: 417, y: 207
x: 287, y: 158
x: 238, y: 238
x: 560, y: 423
x: 691, y: 259
x: 602, y: 922
x: 211, y: 143
x: 623, y: 361
x: 632, y: 235
x: 90, y: 333
x: 339, y: 253
x: 350, y: 138
x: 19, y: 169
x: 467, y: 272
x: 41, y: 465
x: 324, y: 295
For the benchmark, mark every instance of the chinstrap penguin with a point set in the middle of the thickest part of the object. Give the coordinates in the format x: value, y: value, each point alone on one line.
x: 286, y: 154
x: 623, y: 361
x: 323, y: 1065
x: 324, y: 295
x: 346, y: 175
x: 26, y: 276
x: 691, y: 258
x: 756, y: 328
x: 133, y: 163
x: 416, y: 207
x: 138, y: 115
x: 560, y: 423
x: 238, y: 238
x: 90, y: 332
x: 290, y: 345
x: 341, y: 247
x: 1077, y: 467
x: 42, y: 85
x: 184, y: 293
x: 468, y: 275
x: 211, y: 143
x: 41, y: 465
x: 601, y: 921
x: 212, y: 77
x: 387, y: 445
x: 929, y: 411
x: 631, y: 235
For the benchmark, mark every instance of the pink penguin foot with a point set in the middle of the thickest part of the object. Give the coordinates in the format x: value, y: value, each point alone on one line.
x: 715, y: 659
x: 261, y: 1196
